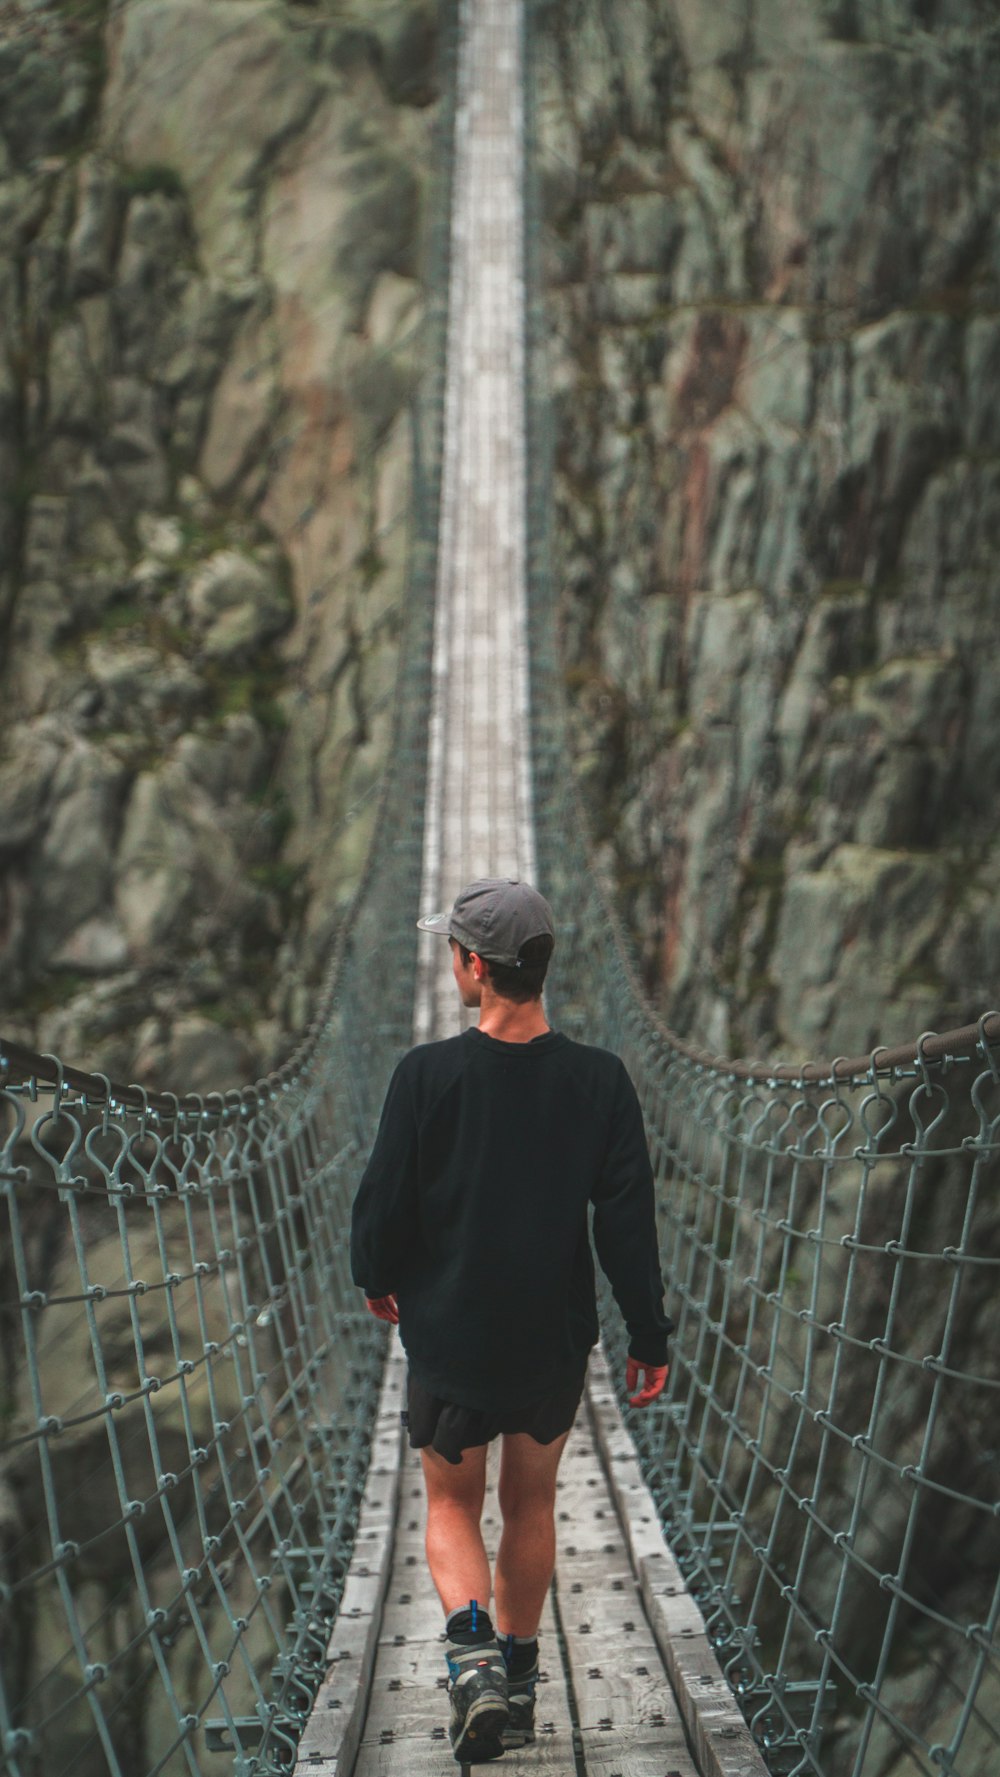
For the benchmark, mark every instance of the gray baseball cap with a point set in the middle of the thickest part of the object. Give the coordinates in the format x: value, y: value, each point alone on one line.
x: 495, y: 917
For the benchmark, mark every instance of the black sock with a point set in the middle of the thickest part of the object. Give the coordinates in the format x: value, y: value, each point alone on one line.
x: 469, y: 1628
x: 520, y: 1653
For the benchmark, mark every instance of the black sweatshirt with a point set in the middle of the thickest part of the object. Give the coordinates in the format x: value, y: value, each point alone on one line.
x: 472, y: 1211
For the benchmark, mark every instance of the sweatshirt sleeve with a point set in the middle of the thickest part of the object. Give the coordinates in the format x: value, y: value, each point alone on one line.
x: 384, y: 1217
x: 625, y: 1228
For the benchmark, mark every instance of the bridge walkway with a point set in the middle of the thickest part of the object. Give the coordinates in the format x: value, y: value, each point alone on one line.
x: 632, y: 1688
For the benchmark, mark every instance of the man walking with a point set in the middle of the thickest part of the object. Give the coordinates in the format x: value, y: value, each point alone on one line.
x: 470, y: 1230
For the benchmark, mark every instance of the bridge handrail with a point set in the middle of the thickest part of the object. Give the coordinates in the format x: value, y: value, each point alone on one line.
x: 887, y: 1061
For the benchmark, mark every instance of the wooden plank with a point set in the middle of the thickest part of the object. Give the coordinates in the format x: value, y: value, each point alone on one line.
x: 422, y: 1755
x: 415, y: 1662
x: 608, y: 1756
x: 646, y: 1762
x: 410, y: 1564
x: 623, y: 1696
x: 596, y: 1641
x: 650, y: 1738
x: 552, y: 1713
x: 627, y: 1694
x: 661, y: 1587
x: 423, y: 1634
x: 411, y: 1604
x: 412, y: 1612
x: 722, y: 1743
x: 602, y: 1601
x: 629, y: 1720
x: 401, y: 1710
x: 331, y: 1735
x: 412, y: 1707
x: 619, y: 1680
x: 409, y: 1690
x: 586, y: 1523
x: 593, y: 1571
x: 409, y: 1695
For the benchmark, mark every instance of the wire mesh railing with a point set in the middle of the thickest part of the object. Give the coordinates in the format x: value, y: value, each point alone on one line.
x: 825, y: 1461
x: 187, y: 1376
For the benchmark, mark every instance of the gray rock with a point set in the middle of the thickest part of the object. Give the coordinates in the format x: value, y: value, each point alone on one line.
x: 981, y: 375
x: 43, y: 617
x: 235, y: 604
x: 74, y: 400
x: 74, y: 864
x: 45, y: 536
x: 97, y: 947
x: 407, y: 34
x: 180, y: 879
x: 380, y: 384
x: 197, y: 1055
x: 637, y: 232
x: 31, y: 756
x: 42, y: 96
x: 834, y: 638
x: 94, y: 528
x: 162, y: 538
x: 133, y: 449
x: 379, y: 230
x: 226, y: 765
x: 212, y: 99
x: 848, y: 938
x: 133, y: 682
x: 917, y: 700
x: 157, y: 883
x: 94, y: 238
x: 239, y: 417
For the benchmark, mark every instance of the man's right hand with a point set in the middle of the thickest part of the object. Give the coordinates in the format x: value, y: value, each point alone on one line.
x: 383, y: 1308
x: 654, y: 1381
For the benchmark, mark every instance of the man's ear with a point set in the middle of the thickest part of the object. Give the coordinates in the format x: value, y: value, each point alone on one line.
x: 478, y: 966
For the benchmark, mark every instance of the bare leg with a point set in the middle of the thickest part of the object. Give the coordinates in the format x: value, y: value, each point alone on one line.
x: 527, y: 1554
x: 456, y: 1553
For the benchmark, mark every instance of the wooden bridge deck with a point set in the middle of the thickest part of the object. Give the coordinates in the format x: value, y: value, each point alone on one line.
x: 631, y: 1687
x: 630, y: 1684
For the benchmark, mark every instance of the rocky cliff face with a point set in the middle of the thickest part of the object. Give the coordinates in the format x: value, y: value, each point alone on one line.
x: 209, y: 332
x: 773, y: 256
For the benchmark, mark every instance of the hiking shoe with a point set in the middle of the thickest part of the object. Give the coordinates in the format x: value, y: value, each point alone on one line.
x: 520, y: 1729
x: 479, y: 1708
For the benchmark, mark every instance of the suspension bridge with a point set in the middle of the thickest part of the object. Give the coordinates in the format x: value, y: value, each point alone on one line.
x: 210, y: 1534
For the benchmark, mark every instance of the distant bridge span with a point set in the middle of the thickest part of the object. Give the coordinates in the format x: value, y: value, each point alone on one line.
x: 607, y: 1703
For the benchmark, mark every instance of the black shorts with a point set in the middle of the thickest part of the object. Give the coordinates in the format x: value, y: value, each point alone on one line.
x: 449, y: 1429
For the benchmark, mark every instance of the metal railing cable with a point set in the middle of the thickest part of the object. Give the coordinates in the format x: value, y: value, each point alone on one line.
x: 825, y: 1460
x: 187, y: 1379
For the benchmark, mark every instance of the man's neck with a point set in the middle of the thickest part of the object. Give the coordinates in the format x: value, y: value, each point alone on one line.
x: 511, y: 1021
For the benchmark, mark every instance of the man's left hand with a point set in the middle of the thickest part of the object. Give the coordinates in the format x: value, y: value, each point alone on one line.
x: 383, y: 1308
x: 654, y: 1381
